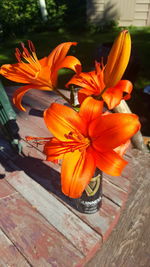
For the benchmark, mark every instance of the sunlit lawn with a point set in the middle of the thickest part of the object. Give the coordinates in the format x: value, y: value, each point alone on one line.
x: 86, y: 50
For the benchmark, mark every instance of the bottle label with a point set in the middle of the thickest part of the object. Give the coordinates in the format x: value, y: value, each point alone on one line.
x: 91, y: 203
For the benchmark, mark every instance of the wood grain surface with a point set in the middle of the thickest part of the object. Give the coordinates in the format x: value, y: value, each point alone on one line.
x: 129, y: 243
x: 9, y: 254
x: 75, y: 230
x: 38, y: 241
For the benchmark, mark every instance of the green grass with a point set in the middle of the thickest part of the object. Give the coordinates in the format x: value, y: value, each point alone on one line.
x: 86, y: 49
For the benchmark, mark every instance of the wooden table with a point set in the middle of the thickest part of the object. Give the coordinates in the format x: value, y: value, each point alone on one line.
x: 38, y: 223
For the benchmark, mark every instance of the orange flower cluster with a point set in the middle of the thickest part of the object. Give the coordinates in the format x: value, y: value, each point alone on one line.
x: 88, y: 138
x: 105, y: 81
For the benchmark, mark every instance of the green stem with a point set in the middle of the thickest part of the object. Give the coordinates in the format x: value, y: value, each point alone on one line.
x: 63, y: 96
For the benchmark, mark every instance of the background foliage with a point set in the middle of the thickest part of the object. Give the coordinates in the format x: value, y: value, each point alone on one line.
x: 20, y: 16
x: 17, y: 15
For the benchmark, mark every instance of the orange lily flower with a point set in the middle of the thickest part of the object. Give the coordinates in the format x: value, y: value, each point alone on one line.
x: 38, y: 74
x: 85, y: 140
x: 105, y: 80
x: 92, y: 83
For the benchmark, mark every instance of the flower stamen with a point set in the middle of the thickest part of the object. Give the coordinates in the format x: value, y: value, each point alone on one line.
x: 31, y: 58
x: 78, y: 141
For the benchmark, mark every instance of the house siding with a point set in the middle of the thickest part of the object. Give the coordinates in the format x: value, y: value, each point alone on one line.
x: 129, y: 12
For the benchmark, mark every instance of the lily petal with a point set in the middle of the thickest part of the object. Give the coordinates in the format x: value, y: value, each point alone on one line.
x: 112, y: 130
x: 77, y: 170
x: 90, y: 109
x: 69, y: 62
x: 113, y: 96
x: 61, y: 120
x: 19, y: 93
x: 23, y: 73
x: 85, y: 80
x: 109, y: 162
x: 16, y: 72
x: 126, y: 87
x: 43, y: 61
x: 83, y: 94
x: 59, y: 53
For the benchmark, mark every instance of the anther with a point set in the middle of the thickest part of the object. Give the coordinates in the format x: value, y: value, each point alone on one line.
x: 31, y: 46
x: 22, y: 44
x: 18, y: 54
x: 69, y: 136
x: 26, y: 52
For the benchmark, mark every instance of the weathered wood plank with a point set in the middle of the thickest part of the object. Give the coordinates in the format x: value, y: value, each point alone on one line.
x: 36, y: 99
x: 76, y: 231
x: 104, y: 220
x: 128, y: 154
x: 37, y: 240
x: 129, y: 243
x: 112, y: 212
x: 32, y: 126
x: 9, y: 255
x: 6, y: 189
x: 119, y: 181
x: 114, y: 193
x: 128, y: 171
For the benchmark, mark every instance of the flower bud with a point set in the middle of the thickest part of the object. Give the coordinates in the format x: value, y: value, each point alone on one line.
x: 118, y: 59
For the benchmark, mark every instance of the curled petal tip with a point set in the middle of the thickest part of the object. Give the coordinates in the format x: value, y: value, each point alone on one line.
x: 18, y: 105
